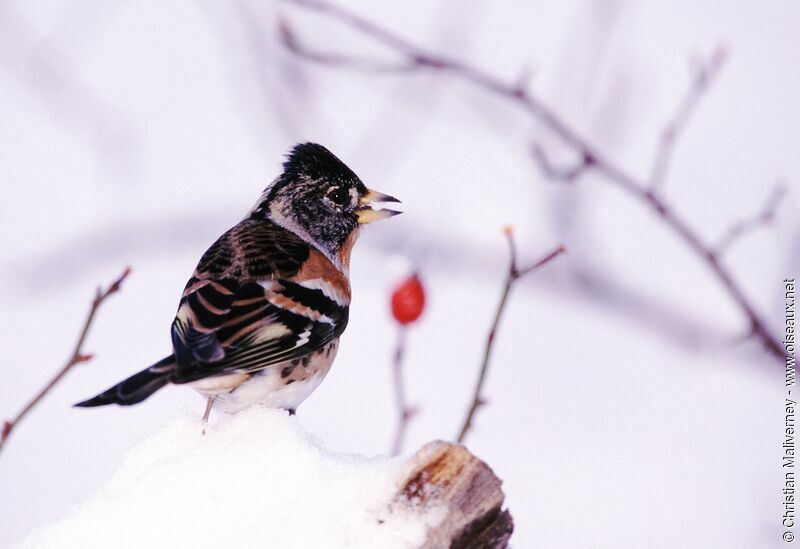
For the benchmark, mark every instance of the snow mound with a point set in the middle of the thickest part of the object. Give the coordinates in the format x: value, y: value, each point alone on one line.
x: 255, y: 479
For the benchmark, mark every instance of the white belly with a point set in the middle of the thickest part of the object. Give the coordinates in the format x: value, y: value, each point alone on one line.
x: 273, y: 386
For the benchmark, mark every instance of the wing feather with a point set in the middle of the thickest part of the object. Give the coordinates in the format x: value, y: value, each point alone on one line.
x: 241, y: 311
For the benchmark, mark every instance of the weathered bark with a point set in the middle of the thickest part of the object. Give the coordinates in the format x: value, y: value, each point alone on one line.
x: 446, y: 478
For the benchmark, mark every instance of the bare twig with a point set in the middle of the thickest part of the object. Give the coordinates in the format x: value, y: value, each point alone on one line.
x: 351, y: 62
x: 405, y: 412
x: 566, y: 174
x: 639, y: 189
x: 77, y: 357
x: 514, y: 274
x: 761, y: 219
x: 704, y: 76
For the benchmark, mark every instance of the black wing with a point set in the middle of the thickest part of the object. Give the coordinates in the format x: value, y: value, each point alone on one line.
x: 241, y: 312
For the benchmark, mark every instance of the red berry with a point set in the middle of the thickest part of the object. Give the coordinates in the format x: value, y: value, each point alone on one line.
x: 408, y: 300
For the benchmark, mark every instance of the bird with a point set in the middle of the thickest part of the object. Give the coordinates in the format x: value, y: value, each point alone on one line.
x: 260, y: 319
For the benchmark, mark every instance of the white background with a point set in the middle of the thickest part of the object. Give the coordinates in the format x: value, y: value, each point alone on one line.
x: 134, y: 133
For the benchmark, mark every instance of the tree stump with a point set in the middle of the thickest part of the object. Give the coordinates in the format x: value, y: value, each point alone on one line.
x: 447, y: 478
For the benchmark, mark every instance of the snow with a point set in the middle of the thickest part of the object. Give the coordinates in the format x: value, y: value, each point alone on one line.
x: 255, y: 479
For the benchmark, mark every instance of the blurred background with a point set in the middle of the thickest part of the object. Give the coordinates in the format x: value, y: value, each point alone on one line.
x: 626, y: 406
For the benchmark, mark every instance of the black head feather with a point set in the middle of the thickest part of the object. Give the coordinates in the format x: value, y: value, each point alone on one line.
x: 316, y: 162
x: 316, y: 196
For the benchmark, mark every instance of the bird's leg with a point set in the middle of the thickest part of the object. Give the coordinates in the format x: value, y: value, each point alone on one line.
x: 209, y: 404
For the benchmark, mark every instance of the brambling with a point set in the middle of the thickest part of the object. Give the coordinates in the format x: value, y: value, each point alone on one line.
x: 261, y: 317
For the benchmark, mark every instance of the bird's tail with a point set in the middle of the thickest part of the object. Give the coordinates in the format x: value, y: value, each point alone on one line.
x: 137, y: 387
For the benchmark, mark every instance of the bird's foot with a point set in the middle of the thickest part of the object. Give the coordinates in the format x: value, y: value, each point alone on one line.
x: 209, y: 404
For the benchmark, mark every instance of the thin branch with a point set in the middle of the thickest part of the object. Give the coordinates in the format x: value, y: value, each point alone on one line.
x: 704, y: 76
x: 551, y: 171
x: 364, y: 64
x: 405, y: 412
x: 639, y: 189
x: 546, y: 259
x: 77, y: 357
x: 514, y: 274
x: 763, y: 218
x: 523, y: 79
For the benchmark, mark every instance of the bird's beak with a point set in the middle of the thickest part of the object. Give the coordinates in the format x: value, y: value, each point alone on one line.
x: 365, y: 212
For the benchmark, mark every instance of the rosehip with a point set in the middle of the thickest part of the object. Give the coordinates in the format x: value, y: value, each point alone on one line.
x: 408, y: 300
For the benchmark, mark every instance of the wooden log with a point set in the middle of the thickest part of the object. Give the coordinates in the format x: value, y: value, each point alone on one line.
x: 446, y: 478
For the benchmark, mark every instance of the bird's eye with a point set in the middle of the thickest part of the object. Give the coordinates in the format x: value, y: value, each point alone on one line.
x: 339, y: 195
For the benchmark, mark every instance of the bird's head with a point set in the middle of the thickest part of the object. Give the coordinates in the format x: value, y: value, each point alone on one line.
x: 319, y: 198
